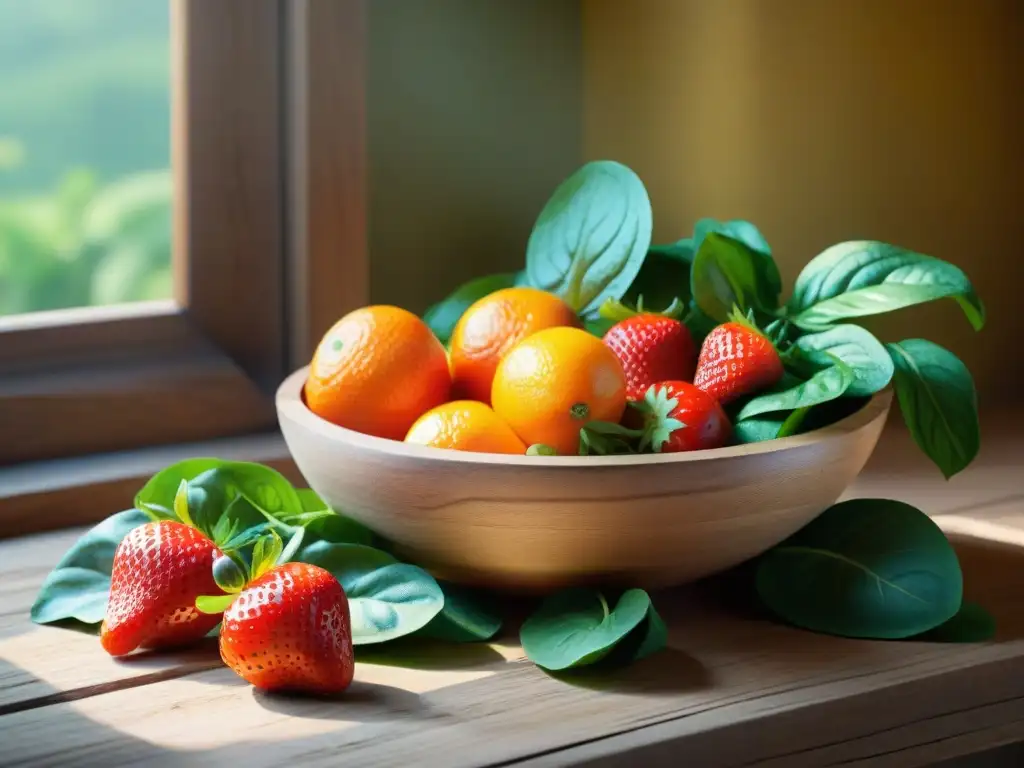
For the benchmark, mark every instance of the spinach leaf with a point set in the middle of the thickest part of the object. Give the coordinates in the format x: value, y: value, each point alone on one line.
x: 727, y: 272
x: 591, y: 238
x: 861, y: 278
x: 939, y: 403
x: 825, y: 385
x: 443, y: 316
x: 663, y: 279
x: 77, y: 588
x: 387, y: 599
x: 867, y: 568
x: 971, y: 624
x: 321, y: 523
x: 855, y: 346
x: 464, y: 617
x: 737, y: 229
x: 576, y: 627
x: 229, y: 501
x: 757, y: 429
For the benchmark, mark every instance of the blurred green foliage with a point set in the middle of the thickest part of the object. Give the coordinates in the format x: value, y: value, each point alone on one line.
x: 85, y: 190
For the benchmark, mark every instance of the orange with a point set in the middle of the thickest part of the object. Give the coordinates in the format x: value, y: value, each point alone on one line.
x: 492, y: 326
x: 555, y: 382
x: 465, y: 425
x: 376, y: 371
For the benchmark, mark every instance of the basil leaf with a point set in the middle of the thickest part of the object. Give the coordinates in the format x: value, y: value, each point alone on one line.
x: 939, y: 403
x: 860, y: 278
x: 855, y: 346
x: 866, y: 568
x: 464, y: 617
x: 727, y: 272
x: 576, y: 627
x: 825, y: 385
x: 387, y: 599
x: 78, y: 587
x: 590, y: 240
x: 442, y: 317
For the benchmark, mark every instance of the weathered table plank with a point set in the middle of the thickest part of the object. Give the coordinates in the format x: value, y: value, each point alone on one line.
x: 733, y: 689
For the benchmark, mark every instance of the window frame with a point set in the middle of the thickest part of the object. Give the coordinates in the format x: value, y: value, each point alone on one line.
x: 268, y: 152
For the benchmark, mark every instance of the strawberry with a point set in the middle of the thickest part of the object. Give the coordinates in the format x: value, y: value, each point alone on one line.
x: 159, y: 569
x: 651, y: 348
x: 290, y: 629
x: 736, y: 359
x: 680, y: 417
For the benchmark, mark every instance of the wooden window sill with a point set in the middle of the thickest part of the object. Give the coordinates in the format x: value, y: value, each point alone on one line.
x: 59, y: 493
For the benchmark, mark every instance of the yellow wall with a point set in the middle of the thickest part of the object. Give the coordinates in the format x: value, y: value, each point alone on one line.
x: 475, y: 112
x: 828, y: 120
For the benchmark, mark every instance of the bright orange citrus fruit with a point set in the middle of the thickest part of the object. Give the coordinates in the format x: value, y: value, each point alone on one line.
x: 376, y: 371
x: 465, y: 425
x: 492, y: 326
x: 555, y: 382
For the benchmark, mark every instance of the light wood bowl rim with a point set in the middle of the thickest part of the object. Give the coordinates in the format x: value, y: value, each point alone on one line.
x: 290, y: 405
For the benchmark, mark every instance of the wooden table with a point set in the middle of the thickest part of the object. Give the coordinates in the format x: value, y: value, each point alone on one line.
x: 732, y: 689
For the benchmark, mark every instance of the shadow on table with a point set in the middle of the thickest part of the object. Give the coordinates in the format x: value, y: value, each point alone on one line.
x: 667, y: 673
x: 416, y: 653
x: 362, y: 702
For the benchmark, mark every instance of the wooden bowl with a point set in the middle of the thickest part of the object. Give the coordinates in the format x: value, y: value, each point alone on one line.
x: 541, y: 522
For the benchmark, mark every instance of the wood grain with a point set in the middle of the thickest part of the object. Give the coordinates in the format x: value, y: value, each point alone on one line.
x: 49, y: 495
x: 329, y: 266
x: 228, y: 153
x: 733, y: 689
x: 530, y: 522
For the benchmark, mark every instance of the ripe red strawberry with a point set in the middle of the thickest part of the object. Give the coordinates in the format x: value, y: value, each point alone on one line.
x: 159, y: 569
x: 290, y: 629
x: 651, y: 348
x: 735, y: 360
x: 680, y: 417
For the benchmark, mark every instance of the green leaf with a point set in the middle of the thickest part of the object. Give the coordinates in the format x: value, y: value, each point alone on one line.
x: 77, y: 588
x: 464, y: 617
x: 387, y: 599
x: 757, y: 429
x: 322, y: 523
x: 858, y: 348
x: 443, y: 316
x: 243, y: 492
x: 214, y: 604
x: 825, y: 385
x: 737, y: 229
x: 664, y: 278
x: 590, y: 240
x: 727, y: 273
x: 867, y: 568
x: 265, y: 554
x: 576, y: 627
x: 939, y: 403
x: 860, y: 278
x: 971, y: 624
x: 181, y: 504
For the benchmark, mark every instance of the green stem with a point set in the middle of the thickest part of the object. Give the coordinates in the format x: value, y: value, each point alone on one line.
x: 793, y: 422
x: 604, y: 606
